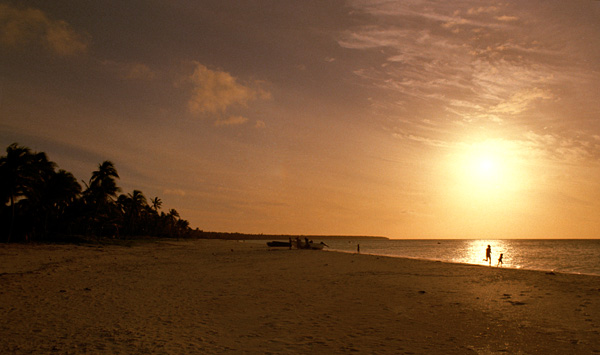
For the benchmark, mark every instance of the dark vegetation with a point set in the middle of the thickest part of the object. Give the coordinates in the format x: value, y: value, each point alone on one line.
x: 43, y: 203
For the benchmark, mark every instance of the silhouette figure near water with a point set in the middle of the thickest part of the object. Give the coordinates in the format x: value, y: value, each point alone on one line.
x: 500, y: 260
x: 488, y: 254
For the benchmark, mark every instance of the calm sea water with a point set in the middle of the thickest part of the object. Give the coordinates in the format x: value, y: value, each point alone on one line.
x: 579, y: 256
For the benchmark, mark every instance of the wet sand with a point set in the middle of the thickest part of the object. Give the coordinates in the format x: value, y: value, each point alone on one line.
x: 225, y: 297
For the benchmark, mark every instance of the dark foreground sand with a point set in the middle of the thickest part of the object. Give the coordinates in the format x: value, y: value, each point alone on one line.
x: 223, y: 297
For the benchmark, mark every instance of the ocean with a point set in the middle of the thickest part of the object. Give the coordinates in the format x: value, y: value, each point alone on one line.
x: 575, y: 256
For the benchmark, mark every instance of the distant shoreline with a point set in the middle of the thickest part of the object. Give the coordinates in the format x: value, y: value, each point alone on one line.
x: 245, y: 236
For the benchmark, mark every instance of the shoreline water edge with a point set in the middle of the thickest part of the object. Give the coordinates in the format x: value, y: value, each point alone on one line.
x: 571, y: 256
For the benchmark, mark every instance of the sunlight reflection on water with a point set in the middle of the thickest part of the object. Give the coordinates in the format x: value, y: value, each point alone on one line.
x: 571, y: 256
x: 474, y: 252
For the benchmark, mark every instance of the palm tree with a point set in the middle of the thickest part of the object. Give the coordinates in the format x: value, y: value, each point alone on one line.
x: 183, y: 227
x: 137, y: 202
x: 64, y: 188
x: 100, y: 194
x: 14, y: 178
x: 172, y: 218
x: 24, y: 177
x: 36, y: 192
x: 38, y: 204
x: 153, y: 216
x: 156, y: 204
x: 173, y: 214
x: 61, y: 191
x: 37, y: 200
x: 103, y: 183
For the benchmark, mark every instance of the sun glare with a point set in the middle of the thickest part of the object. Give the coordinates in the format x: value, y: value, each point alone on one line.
x: 486, y: 169
x: 486, y: 187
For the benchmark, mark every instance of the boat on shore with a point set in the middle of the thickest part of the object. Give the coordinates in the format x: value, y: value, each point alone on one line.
x: 297, y: 244
x: 315, y: 246
x: 276, y: 243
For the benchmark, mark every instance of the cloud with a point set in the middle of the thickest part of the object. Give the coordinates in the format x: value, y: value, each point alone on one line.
x: 521, y: 101
x: 21, y: 26
x: 480, y: 10
x: 215, y: 91
x: 231, y: 121
x: 486, y: 73
x: 507, y: 18
x: 455, y: 22
x: 562, y: 147
x: 493, y: 77
x: 420, y: 139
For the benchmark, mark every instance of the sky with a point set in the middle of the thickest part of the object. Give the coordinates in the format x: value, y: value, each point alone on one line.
x: 405, y: 119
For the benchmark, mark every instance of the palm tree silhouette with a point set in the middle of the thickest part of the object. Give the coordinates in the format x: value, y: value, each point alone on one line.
x: 36, y: 192
x: 103, y: 183
x: 15, y: 177
x: 172, y: 218
x: 100, y: 194
x: 133, y: 206
x: 62, y: 190
x: 156, y: 204
x: 36, y: 205
x: 40, y: 202
x: 24, y: 176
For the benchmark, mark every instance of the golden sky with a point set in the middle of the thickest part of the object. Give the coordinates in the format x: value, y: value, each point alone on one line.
x: 408, y: 119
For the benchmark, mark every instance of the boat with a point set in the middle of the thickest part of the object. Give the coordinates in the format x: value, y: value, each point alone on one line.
x: 275, y: 244
x: 312, y: 245
x: 297, y: 245
x: 316, y: 246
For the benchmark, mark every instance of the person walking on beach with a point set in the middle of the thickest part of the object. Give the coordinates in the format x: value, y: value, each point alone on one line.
x: 488, y: 255
x: 500, y: 260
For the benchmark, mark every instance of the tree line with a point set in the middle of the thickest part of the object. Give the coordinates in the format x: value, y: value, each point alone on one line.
x: 43, y: 203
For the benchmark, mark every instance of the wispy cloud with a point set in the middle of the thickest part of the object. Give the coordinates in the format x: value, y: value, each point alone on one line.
x: 238, y: 121
x: 507, y: 18
x: 482, y: 9
x: 427, y: 57
x: 521, y: 101
x: 231, y: 121
x: 214, y: 91
x: 568, y: 149
x: 467, y: 66
x: 22, y: 26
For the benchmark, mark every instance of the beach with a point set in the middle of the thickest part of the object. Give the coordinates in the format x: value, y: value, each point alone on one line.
x: 228, y: 297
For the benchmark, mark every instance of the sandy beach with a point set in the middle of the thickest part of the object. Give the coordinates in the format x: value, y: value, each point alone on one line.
x: 227, y: 297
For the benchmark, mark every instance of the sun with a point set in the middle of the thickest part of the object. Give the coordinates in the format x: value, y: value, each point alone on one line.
x: 485, y: 169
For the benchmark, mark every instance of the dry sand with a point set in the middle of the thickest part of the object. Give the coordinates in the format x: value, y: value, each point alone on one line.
x: 225, y: 297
